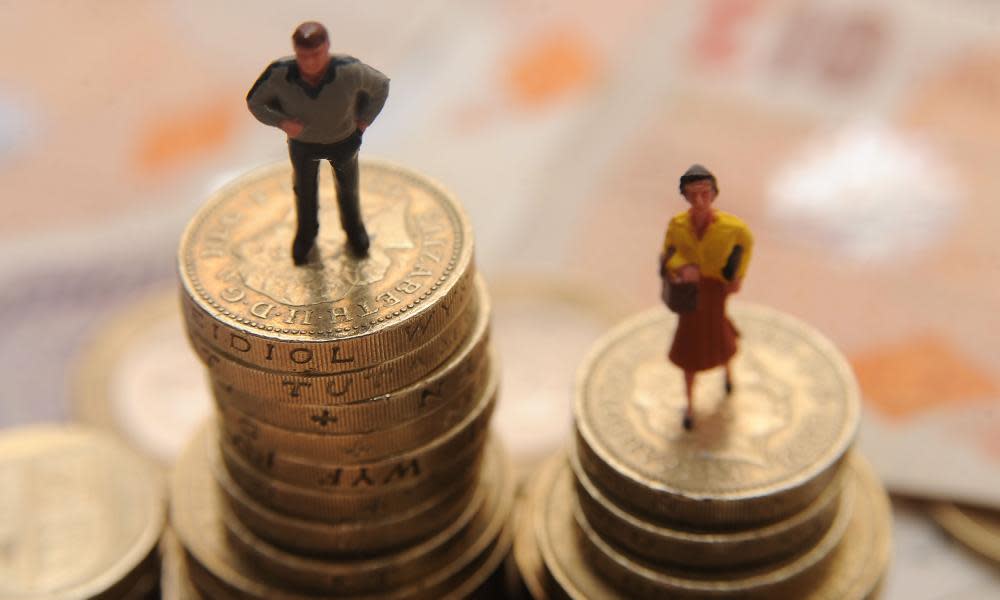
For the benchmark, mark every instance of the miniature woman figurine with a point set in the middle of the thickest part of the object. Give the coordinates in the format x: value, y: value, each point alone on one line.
x: 323, y: 102
x: 706, y: 250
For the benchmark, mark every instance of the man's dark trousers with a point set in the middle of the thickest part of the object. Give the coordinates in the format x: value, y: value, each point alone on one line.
x: 343, y: 157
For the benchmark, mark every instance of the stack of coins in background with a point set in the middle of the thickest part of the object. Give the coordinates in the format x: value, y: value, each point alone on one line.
x: 763, y: 499
x: 350, y: 454
x: 82, y: 515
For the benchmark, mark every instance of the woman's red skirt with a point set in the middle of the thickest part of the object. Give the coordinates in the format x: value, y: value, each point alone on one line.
x: 705, y: 337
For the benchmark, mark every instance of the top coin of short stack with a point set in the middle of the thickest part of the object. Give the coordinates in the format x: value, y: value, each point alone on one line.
x: 337, y: 314
x: 759, y: 455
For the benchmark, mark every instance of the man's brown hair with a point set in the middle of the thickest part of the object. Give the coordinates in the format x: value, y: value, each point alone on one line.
x: 309, y: 35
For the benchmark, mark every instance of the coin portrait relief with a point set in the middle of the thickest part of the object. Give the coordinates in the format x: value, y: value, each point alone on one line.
x: 234, y: 256
x: 261, y: 257
x: 787, y: 417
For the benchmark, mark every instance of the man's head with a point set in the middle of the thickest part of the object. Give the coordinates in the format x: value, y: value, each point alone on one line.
x: 698, y: 186
x: 312, y: 48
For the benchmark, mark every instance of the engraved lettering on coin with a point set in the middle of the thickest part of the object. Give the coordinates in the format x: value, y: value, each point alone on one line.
x: 262, y: 258
x: 236, y: 264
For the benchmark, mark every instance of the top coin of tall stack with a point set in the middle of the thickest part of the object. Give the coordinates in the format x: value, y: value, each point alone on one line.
x: 350, y: 454
x: 336, y: 315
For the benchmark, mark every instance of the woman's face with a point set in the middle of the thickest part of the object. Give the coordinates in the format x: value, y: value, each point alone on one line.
x: 700, y: 195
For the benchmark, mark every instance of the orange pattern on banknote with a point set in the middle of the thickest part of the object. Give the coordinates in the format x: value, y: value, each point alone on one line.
x: 920, y: 373
x: 179, y: 138
x: 960, y: 100
x: 556, y: 65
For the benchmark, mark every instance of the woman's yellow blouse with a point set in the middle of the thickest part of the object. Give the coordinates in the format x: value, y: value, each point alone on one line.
x: 710, y: 253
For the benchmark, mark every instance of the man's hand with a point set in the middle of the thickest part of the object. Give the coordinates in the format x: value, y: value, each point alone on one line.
x: 689, y: 274
x: 734, y: 286
x: 292, y: 127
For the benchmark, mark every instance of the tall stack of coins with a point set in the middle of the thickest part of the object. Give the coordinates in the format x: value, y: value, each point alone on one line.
x: 764, y: 498
x: 350, y: 453
x: 82, y: 515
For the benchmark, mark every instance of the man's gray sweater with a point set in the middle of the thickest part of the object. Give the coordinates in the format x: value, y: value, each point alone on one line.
x: 350, y: 91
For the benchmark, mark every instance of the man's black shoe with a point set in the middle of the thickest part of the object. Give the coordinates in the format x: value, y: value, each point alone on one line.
x: 300, y: 250
x: 357, y: 240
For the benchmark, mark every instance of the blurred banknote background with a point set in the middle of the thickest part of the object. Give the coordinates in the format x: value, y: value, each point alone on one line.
x: 859, y: 139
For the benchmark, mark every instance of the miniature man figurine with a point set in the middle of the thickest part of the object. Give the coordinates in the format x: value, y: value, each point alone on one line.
x: 324, y: 103
x: 709, y: 250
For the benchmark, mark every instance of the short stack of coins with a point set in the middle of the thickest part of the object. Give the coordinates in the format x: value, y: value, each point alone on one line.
x: 82, y: 515
x: 764, y: 498
x: 350, y: 454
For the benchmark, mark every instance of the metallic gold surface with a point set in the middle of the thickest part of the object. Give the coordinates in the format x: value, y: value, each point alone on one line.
x: 450, y: 407
x: 138, y: 378
x: 351, y: 574
x: 244, y: 295
x: 977, y: 528
x: 857, y: 567
x: 82, y: 514
x: 526, y: 555
x: 755, y: 456
x: 350, y: 448
x: 467, y: 370
x: 345, y: 386
x: 852, y: 570
x: 222, y: 573
x: 174, y: 581
x: 380, y: 533
x: 318, y: 471
x: 657, y: 543
x: 354, y: 493
x: 644, y: 580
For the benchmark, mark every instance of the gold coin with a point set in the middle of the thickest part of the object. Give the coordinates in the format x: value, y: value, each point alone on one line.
x: 858, y: 565
x: 466, y: 371
x: 318, y: 471
x: 145, y: 585
x: 138, y: 379
x: 355, y: 493
x: 351, y: 448
x: 82, y: 514
x: 977, y: 528
x: 852, y: 570
x: 529, y: 578
x: 446, y: 413
x: 355, y: 536
x: 174, y: 582
x: 481, y: 578
x: 350, y: 575
x: 244, y: 295
x: 755, y: 456
x: 220, y: 572
x: 641, y: 579
x: 348, y: 386
x: 467, y: 579
x: 661, y: 544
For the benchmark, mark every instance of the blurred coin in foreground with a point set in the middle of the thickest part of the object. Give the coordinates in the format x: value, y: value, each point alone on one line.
x: 139, y: 379
x: 542, y: 329
x: 977, y: 528
x: 82, y: 515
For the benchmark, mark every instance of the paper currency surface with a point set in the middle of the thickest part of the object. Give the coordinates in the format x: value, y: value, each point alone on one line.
x: 857, y: 139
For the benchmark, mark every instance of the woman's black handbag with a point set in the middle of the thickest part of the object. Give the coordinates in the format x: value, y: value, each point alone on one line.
x: 679, y: 297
